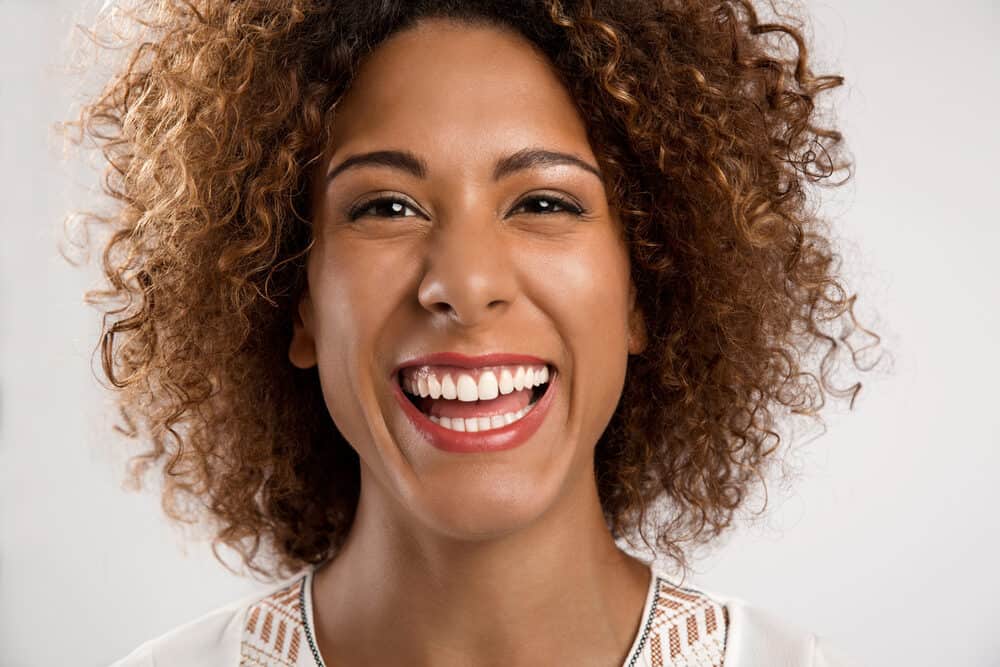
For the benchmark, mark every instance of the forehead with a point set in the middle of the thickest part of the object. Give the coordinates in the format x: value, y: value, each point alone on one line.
x: 457, y: 92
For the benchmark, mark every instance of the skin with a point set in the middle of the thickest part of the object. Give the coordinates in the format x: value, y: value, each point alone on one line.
x: 498, y: 558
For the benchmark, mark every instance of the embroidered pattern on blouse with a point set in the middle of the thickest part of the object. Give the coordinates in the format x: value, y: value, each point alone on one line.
x: 683, y: 628
x: 273, y: 634
x: 686, y: 629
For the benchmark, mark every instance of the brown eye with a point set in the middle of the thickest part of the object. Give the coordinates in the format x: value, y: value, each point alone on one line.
x: 548, y: 204
x: 380, y: 207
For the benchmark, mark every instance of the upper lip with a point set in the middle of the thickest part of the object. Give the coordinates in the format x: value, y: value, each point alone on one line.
x: 466, y: 361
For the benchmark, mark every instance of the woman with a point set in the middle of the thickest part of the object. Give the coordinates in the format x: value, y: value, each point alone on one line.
x: 430, y: 302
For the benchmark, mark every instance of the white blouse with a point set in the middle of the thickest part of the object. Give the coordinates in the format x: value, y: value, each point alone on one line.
x: 681, y: 627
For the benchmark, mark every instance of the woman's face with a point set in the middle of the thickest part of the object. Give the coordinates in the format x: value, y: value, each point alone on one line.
x: 462, y: 261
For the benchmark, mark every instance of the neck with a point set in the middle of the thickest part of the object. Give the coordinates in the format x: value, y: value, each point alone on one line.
x: 557, y: 590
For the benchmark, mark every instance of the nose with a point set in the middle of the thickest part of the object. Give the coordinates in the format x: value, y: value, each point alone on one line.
x: 470, y: 277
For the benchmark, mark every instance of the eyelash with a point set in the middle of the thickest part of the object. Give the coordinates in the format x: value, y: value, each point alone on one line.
x: 568, y: 206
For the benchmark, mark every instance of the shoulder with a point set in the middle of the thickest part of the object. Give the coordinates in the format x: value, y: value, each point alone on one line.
x: 696, y: 626
x: 761, y: 637
x: 264, y: 625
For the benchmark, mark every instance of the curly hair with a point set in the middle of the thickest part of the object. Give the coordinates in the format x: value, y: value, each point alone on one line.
x: 705, y: 124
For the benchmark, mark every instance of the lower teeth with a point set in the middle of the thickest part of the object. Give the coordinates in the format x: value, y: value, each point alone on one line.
x: 476, y: 424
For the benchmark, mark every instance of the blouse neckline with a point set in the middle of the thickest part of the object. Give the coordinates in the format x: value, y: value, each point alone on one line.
x: 648, y: 612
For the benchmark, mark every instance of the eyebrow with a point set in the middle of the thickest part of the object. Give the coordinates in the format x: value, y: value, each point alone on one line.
x: 406, y: 161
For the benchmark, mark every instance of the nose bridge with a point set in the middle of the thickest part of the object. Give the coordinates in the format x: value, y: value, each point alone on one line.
x: 468, y: 267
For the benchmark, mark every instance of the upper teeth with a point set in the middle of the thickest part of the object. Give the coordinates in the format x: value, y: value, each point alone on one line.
x: 423, y: 381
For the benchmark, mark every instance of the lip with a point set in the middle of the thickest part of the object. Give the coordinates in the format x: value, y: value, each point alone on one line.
x: 465, y: 361
x: 459, y: 442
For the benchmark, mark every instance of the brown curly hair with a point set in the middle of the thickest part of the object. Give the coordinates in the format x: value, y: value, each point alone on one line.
x: 704, y: 122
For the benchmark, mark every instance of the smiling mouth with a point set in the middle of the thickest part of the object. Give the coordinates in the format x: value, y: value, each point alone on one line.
x: 503, y: 403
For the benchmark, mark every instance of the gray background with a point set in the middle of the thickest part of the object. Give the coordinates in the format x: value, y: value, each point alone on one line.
x: 886, y: 543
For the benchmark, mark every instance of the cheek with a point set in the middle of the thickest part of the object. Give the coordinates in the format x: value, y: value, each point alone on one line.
x: 591, y: 285
x: 352, y: 303
x: 588, y: 298
x: 351, y: 291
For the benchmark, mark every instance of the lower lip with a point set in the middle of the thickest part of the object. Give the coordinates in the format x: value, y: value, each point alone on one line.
x: 494, y: 440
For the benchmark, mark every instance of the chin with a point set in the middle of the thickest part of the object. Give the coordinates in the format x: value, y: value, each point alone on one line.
x: 482, y: 506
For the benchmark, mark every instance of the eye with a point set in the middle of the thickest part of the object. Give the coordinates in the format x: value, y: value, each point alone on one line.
x: 387, y: 205
x: 391, y: 207
x: 549, y: 204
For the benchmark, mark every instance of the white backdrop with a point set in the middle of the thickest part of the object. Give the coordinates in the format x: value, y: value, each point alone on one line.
x: 887, y: 542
